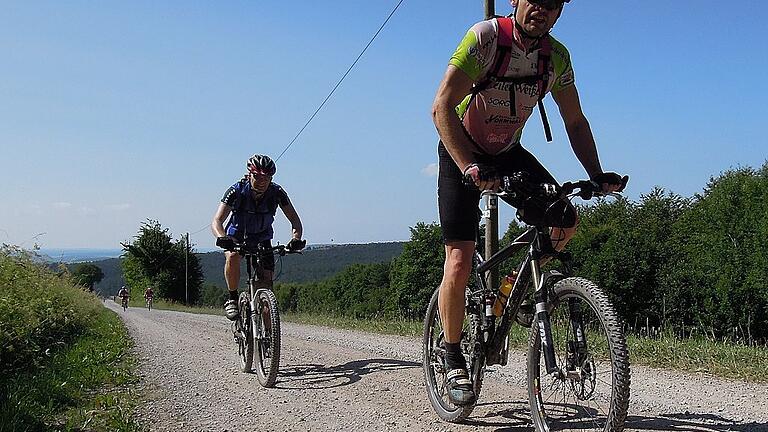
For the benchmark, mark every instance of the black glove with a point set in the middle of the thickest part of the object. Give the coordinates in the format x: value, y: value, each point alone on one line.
x: 479, y: 172
x: 296, y: 244
x: 611, y: 178
x: 226, y: 242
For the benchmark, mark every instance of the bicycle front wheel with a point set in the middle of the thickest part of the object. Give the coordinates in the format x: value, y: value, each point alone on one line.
x: 266, y: 334
x: 590, y: 389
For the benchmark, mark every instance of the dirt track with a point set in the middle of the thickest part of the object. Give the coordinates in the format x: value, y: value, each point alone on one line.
x: 345, y: 380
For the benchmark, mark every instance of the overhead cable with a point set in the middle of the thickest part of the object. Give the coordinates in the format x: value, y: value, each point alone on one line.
x: 340, y: 81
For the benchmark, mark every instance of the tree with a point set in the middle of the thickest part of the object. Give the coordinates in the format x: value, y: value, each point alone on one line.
x: 719, y: 257
x: 417, y: 272
x: 213, y: 295
x: 87, y: 275
x: 154, y: 259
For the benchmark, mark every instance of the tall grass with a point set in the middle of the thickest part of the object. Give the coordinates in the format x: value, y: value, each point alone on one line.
x: 63, y: 358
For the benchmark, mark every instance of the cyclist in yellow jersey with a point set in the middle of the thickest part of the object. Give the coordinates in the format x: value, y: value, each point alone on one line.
x: 496, y: 77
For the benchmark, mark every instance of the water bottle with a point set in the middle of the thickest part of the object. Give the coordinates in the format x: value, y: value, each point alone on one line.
x: 503, y: 295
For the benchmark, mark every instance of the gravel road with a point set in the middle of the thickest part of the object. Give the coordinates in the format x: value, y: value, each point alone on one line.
x: 347, y: 380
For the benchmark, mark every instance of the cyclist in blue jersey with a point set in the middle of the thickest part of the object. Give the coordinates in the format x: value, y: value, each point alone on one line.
x: 252, y: 203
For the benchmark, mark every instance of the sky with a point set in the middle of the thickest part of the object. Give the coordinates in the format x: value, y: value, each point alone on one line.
x: 115, y: 112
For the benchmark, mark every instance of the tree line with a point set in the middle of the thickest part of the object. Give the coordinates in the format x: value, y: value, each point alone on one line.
x: 692, y: 265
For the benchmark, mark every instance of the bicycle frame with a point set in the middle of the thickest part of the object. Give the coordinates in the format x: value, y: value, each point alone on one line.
x: 255, y: 272
x: 539, y: 244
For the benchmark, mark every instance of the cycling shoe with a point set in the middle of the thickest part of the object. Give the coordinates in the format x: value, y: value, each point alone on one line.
x: 230, y: 310
x: 459, y: 387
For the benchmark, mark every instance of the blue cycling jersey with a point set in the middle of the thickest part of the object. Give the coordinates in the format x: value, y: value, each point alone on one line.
x: 252, y: 218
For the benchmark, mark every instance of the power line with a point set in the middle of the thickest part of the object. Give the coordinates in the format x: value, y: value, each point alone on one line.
x: 342, y: 79
x: 201, y: 229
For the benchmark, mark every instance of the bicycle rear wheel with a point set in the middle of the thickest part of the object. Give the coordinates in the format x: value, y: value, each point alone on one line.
x: 591, y: 389
x: 434, y: 363
x: 244, y: 335
x: 266, y: 334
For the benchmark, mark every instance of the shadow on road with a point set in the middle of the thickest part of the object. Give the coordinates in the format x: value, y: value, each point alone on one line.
x: 690, y: 422
x: 514, y: 416
x: 503, y: 416
x: 317, y: 376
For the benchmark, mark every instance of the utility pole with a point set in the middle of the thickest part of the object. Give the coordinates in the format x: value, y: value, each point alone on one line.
x: 490, y: 8
x: 491, y: 212
x: 186, y: 268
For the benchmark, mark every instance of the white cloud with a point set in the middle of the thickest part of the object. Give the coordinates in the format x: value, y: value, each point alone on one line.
x: 61, y: 205
x: 430, y: 170
x: 119, y: 207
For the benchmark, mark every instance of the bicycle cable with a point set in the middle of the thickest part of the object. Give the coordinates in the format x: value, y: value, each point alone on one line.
x: 340, y: 81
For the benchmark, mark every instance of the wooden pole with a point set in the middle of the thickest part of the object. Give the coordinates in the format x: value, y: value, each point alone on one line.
x: 492, y: 236
x: 186, y: 268
x: 490, y: 8
x: 491, y: 202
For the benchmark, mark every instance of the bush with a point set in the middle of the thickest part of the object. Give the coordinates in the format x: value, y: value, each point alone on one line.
x: 40, y: 311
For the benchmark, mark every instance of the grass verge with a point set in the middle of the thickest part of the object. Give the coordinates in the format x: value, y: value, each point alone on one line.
x: 86, y: 385
x: 174, y: 306
x: 747, y: 363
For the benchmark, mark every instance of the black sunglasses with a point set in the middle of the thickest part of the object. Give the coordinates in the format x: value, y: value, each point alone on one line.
x: 549, y: 5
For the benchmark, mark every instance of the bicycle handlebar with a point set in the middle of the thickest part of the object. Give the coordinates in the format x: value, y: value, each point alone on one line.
x: 518, y: 184
x: 281, y: 250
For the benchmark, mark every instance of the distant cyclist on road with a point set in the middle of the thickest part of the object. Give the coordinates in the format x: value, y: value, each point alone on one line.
x: 498, y: 75
x: 149, y: 294
x: 123, y: 294
x: 252, y: 202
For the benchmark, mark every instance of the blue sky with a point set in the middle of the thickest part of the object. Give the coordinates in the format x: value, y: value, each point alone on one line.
x: 114, y: 112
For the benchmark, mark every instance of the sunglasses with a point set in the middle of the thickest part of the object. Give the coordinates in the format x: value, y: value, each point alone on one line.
x: 550, y: 5
x: 260, y: 177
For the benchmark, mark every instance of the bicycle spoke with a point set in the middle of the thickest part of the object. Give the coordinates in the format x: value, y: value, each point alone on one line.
x: 581, y: 398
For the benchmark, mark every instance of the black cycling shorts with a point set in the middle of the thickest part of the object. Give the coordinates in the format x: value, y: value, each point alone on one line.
x: 459, y: 203
x: 268, y: 259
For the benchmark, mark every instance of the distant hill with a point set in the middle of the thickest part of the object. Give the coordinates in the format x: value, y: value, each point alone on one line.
x: 75, y: 255
x: 316, y: 263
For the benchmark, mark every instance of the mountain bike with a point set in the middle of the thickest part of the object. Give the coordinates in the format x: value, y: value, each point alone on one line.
x: 149, y: 302
x: 577, y: 360
x: 256, y: 330
x: 125, y: 303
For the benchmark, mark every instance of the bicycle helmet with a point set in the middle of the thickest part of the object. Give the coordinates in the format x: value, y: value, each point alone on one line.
x: 261, y: 164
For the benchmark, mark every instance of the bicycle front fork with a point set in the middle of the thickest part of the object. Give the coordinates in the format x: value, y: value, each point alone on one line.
x: 577, y: 347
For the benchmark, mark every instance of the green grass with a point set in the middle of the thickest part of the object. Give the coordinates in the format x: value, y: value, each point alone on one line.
x: 64, y: 359
x: 397, y: 326
x: 693, y: 355
x: 728, y: 360
x: 158, y: 303
x: 85, y: 386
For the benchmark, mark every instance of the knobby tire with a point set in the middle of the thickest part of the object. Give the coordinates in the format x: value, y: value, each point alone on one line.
x: 267, y: 338
x: 597, y: 397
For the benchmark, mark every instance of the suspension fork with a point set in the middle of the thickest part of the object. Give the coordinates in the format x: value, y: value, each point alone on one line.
x: 542, y: 315
x: 577, y: 325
